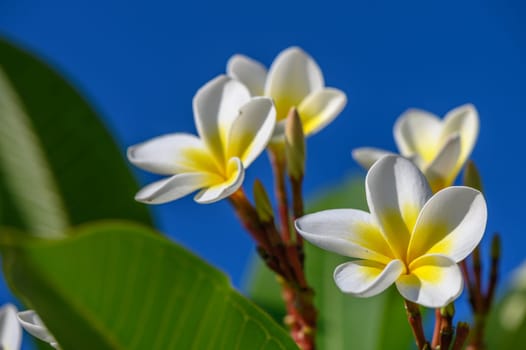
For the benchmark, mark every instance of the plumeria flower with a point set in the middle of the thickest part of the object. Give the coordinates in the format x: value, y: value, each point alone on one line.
x: 293, y: 80
x: 233, y: 130
x: 438, y: 147
x: 34, y: 326
x: 410, y: 237
x: 10, y: 331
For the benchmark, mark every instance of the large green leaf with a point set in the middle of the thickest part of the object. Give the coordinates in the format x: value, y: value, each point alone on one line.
x: 59, y: 166
x: 141, y: 291
x: 344, y: 322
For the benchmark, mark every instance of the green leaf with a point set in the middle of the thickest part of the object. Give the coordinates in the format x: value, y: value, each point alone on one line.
x: 344, y: 322
x: 506, y: 327
x: 141, y: 292
x: 59, y: 166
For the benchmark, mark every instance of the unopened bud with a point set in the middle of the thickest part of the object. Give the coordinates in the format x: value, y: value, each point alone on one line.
x: 472, y: 176
x: 495, y: 247
x: 448, y: 310
x: 294, y: 145
x: 263, y: 206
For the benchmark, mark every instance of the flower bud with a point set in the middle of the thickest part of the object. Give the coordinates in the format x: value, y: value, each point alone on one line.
x: 263, y: 206
x: 448, y: 310
x: 472, y: 176
x: 294, y: 145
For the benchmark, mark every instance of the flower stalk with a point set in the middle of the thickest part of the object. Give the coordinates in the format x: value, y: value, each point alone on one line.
x: 284, y: 259
x: 415, y: 321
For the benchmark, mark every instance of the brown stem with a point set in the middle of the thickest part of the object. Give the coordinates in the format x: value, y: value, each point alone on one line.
x: 461, y: 336
x: 277, y: 161
x: 301, y: 315
x: 494, y: 270
x: 436, y: 332
x: 446, y: 329
x: 477, y: 277
x: 415, y: 321
x: 280, y: 258
x: 468, y: 282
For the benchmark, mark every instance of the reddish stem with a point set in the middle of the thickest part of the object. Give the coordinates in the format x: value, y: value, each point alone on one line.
x: 277, y: 161
x: 415, y: 321
x: 436, y: 332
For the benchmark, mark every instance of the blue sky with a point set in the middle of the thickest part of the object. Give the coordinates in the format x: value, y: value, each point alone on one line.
x: 140, y: 65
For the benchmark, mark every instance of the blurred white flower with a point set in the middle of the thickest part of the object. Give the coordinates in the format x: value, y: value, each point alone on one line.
x: 10, y: 331
x: 410, y: 237
x: 293, y: 80
x: 233, y: 130
x: 34, y: 326
x: 439, y: 148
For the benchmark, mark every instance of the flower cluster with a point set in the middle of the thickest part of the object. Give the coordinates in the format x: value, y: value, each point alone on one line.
x: 418, y: 228
x: 236, y: 116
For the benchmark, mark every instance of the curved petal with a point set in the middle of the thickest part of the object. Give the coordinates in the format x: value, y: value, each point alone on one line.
x: 364, y: 278
x: 292, y: 76
x: 347, y: 232
x: 174, y: 187
x: 367, y: 156
x: 463, y: 120
x: 320, y: 108
x: 252, y: 130
x: 34, y: 326
x: 451, y: 224
x: 225, y: 188
x: 10, y: 331
x: 396, y: 192
x: 443, y: 169
x: 216, y: 106
x: 248, y: 71
x: 171, y: 154
x: 418, y: 131
x: 434, y: 281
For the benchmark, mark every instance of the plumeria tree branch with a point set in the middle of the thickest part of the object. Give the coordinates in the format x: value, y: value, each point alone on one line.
x: 415, y: 321
x: 480, y: 298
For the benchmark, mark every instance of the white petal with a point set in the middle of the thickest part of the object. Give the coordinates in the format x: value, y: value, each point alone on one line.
x: 320, y: 108
x: 434, y: 281
x: 396, y: 192
x: 34, y: 326
x: 367, y: 156
x: 463, y: 120
x: 347, y: 232
x: 216, y: 106
x: 224, y: 189
x: 10, y: 331
x: 292, y: 76
x: 171, y: 154
x: 418, y: 131
x: 174, y: 187
x: 443, y: 169
x: 252, y: 130
x: 451, y: 224
x: 364, y: 278
x: 248, y: 71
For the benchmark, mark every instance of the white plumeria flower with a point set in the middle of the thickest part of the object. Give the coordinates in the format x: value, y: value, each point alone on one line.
x: 411, y: 237
x: 233, y: 130
x: 293, y: 80
x: 438, y: 147
x: 34, y: 326
x: 10, y: 331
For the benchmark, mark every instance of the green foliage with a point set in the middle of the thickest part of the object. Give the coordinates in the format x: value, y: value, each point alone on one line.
x: 506, y: 327
x: 59, y: 166
x: 344, y: 322
x: 140, y: 292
